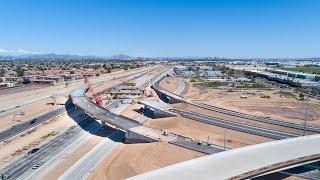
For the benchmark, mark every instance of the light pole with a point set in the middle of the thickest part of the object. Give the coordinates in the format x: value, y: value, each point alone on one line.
x: 54, y: 98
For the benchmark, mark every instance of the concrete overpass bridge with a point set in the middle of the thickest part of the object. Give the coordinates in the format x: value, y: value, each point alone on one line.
x: 244, y: 163
x: 165, y: 95
x: 171, y: 98
x: 157, y: 108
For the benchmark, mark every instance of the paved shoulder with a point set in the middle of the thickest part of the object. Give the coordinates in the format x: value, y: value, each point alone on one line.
x: 82, y: 168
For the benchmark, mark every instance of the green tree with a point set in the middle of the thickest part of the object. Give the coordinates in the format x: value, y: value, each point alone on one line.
x: 301, y: 96
x: 2, y: 72
x: 20, y: 71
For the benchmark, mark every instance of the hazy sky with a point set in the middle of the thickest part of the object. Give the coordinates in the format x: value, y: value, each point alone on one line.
x: 256, y: 28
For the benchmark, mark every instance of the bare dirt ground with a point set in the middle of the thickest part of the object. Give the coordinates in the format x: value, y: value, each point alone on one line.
x: 22, y: 88
x: 202, y: 131
x: 132, y: 114
x: 170, y: 84
x: 288, y: 109
x: 131, y: 159
x: 27, y: 140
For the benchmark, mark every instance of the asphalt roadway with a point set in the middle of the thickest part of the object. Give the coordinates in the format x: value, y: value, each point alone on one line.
x: 48, y: 150
x: 180, y: 87
x: 206, y: 149
x: 98, y: 112
x: 242, y: 115
x: 24, y: 126
x: 82, y: 168
x: 258, y: 118
x: 32, y: 161
x: 233, y: 125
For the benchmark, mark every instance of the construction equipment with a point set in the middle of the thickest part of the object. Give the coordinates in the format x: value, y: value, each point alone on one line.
x: 91, y: 90
x: 265, y: 96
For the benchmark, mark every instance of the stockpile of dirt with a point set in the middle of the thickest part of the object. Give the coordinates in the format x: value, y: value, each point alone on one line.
x: 132, y: 159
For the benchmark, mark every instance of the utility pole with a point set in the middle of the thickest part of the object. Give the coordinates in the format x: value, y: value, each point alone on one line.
x: 307, y: 106
x: 225, y: 138
x: 305, y: 117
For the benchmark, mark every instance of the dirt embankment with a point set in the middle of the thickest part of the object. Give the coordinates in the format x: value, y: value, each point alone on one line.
x: 170, y: 84
x: 205, y: 132
x: 286, y: 108
x: 132, y: 159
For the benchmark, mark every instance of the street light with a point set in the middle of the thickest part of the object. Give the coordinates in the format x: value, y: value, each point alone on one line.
x: 54, y: 98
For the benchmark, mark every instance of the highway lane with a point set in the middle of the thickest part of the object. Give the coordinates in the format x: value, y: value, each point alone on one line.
x: 98, y: 112
x: 238, y: 114
x: 79, y: 98
x: 59, y: 90
x: 31, y: 162
x: 124, y: 123
x: 54, y: 161
x: 154, y: 79
x: 21, y: 166
x: 181, y: 86
x: 8, y: 111
x: 24, y: 126
x: 82, y: 168
x: 258, y: 118
x: 233, y: 125
x: 206, y: 149
x: 135, y: 76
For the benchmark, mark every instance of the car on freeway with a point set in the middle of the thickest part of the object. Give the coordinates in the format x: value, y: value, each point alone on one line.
x: 37, y: 165
x: 33, y: 121
x: 33, y: 150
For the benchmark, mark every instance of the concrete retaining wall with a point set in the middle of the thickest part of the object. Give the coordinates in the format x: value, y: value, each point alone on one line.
x: 133, y: 137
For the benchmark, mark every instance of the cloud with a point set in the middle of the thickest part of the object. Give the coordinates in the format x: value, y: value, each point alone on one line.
x: 3, y: 51
x: 16, y: 52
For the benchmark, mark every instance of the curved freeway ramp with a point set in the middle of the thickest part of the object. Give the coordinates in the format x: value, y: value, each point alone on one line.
x: 175, y: 98
x: 181, y: 86
x: 244, y: 163
x: 81, y: 101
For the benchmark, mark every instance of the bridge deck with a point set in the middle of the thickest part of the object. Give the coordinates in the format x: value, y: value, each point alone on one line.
x: 242, y: 162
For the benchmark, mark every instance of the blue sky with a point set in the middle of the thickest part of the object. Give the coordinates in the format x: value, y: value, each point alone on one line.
x: 222, y: 28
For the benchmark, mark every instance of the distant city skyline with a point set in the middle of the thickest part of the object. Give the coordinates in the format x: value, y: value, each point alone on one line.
x: 232, y: 29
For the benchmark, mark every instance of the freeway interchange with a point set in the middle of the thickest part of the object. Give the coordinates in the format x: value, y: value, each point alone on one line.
x: 123, y: 128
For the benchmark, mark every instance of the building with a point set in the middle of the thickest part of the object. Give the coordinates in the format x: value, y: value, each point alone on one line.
x: 44, y: 79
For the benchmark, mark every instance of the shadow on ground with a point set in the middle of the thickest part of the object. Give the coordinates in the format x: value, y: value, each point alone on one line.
x: 91, y: 125
x: 294, y: 171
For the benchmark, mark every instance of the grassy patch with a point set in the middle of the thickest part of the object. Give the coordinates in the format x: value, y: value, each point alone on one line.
x: 252, y: 85
x: 287, y: 94
x: 210, y: 84
x: 197, y: 80
x: 305, y: 69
